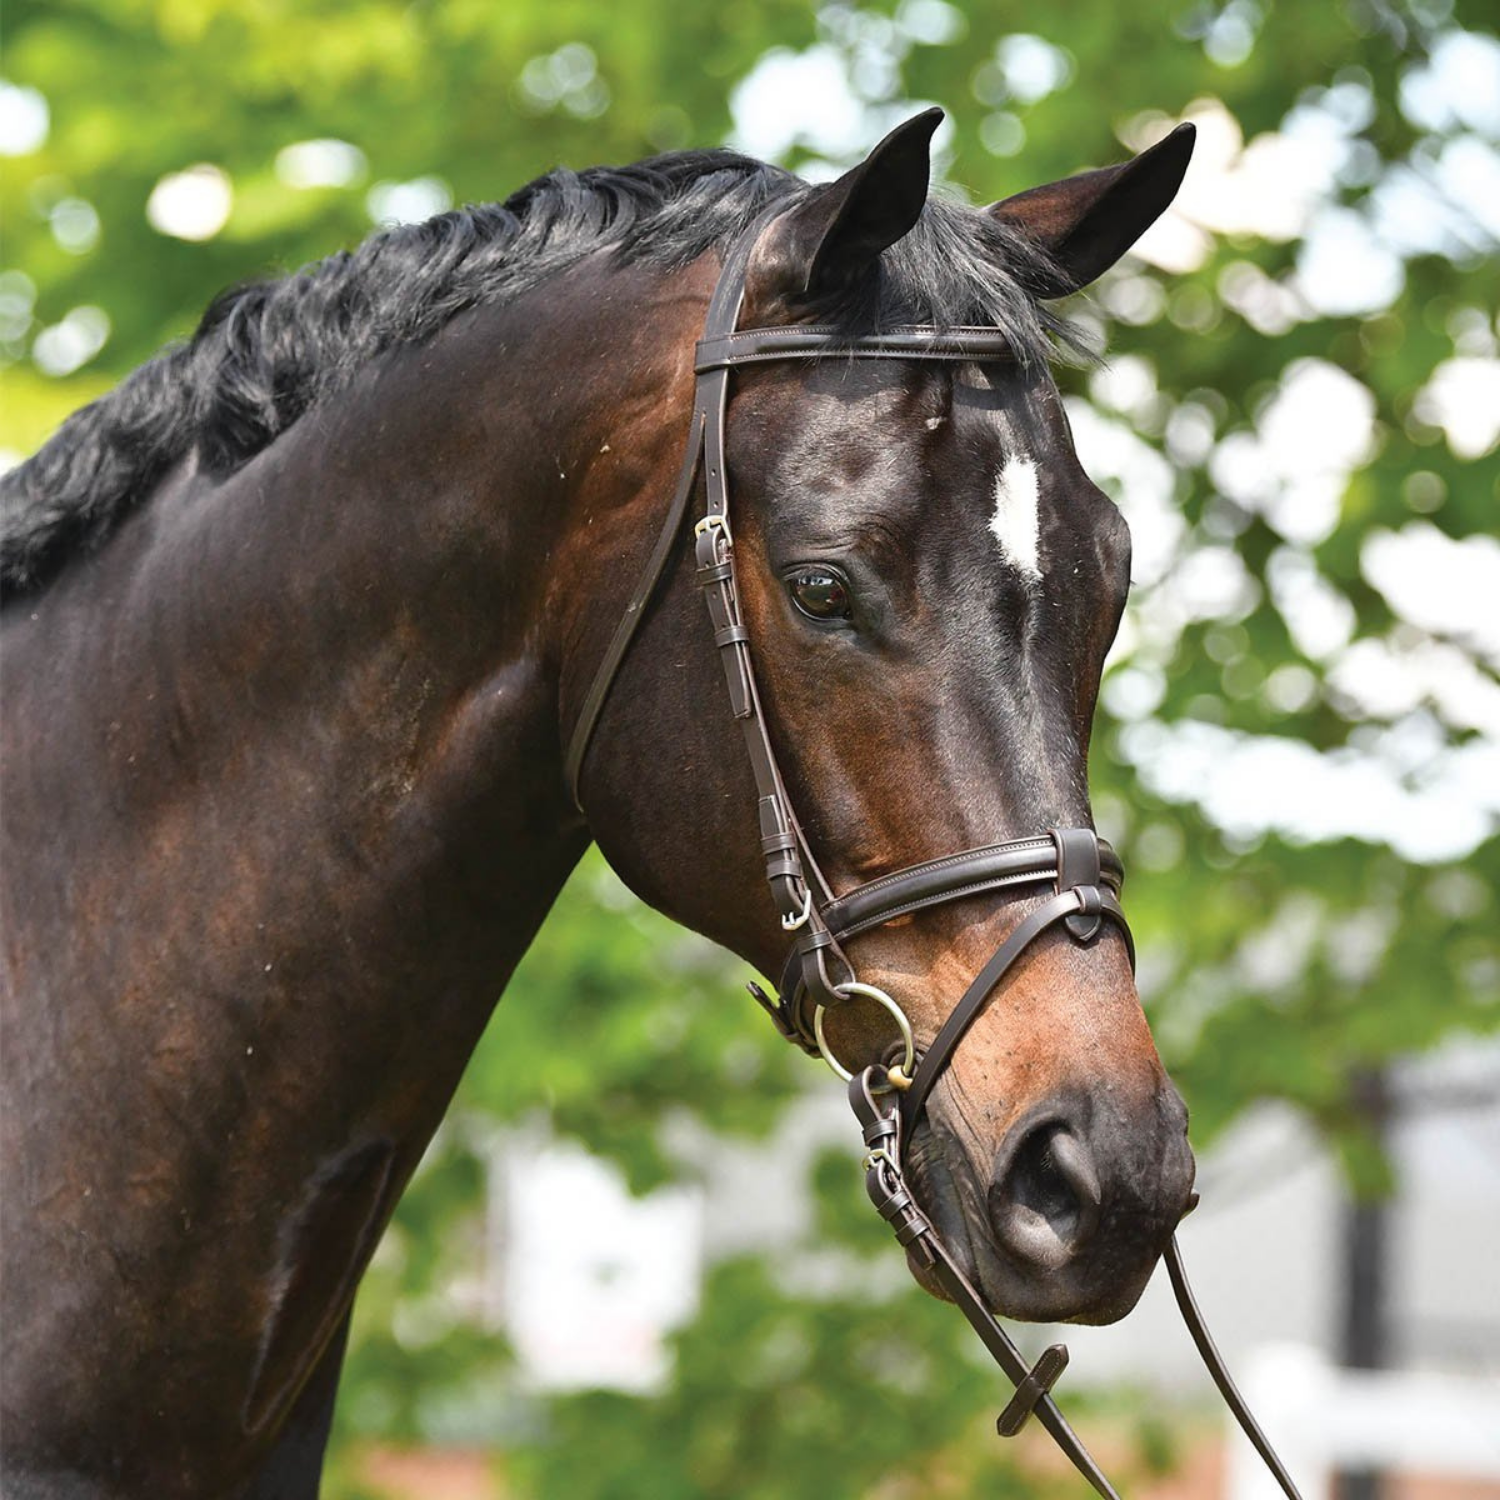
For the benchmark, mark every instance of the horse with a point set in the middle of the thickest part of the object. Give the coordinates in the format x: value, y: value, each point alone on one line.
x: 302, y: 642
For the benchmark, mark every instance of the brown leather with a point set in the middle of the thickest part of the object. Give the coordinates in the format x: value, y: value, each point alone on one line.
x: 708, y: 405
x: 1011, y: 865
x: 1084, y: 872
x: 886, y: 1186
x: 1209, y: 1352
x: 975, y: 871
x: 1045, y: 1373
x: 1058, y: 908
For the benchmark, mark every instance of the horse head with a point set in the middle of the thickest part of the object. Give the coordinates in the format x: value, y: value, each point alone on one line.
x: 929, y: 583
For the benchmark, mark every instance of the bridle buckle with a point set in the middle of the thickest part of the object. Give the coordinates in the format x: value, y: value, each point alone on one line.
x: 715, y: 518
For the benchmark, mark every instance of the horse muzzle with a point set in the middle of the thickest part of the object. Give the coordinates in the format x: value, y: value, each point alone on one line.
x: 1068, y: 1220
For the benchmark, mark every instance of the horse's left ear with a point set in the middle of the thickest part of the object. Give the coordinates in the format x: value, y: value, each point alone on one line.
x: 1086, y: 223
x: 838, y: 231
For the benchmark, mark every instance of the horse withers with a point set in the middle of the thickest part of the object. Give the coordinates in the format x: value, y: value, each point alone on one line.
x: 299, y: 625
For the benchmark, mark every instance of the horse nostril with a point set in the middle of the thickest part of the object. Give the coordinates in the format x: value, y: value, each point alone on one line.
x: 1047, y: 1203
x: 1054, y: 1175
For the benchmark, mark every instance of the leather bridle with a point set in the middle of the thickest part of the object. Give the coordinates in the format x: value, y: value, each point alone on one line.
x: 1079, y: 872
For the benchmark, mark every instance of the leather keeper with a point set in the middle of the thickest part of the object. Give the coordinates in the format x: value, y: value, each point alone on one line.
x: 1085, y: 923
x: 811, y: 987
x: 706, y: 553
x: 810, y: 939
x: 1044, y: 1375
x: 738, y: 678
x: 1078, y: 870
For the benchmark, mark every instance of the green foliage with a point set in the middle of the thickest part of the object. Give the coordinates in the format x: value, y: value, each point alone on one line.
x: 864, y: 1386
x: 759, y: 1402
x: 653, y: 1024
x: 142, y: 88
x: 1275, y: 966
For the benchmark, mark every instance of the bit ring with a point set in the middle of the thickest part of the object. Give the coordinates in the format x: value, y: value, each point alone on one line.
x: 869, y: 992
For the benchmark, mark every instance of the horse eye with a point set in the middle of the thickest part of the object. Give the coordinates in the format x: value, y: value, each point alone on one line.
x: 820, y: 595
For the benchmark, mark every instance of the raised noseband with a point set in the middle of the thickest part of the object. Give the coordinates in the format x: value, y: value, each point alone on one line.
x: 1014, y: 865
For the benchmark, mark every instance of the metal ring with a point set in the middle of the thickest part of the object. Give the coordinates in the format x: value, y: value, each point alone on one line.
x: 870, y: 992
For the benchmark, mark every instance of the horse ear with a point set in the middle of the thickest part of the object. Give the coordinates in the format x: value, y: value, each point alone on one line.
x: 839, y: 230
x: 1086, y: 223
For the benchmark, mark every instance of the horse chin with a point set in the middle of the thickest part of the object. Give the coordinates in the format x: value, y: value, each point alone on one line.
x: 953, y: 1203
x: 951, y: 1210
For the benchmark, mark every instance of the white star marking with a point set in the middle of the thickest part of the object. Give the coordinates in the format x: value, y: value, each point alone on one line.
x: 1016, y: 523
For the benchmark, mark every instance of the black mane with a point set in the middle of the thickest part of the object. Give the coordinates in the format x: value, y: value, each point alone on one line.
x: 267, y: 352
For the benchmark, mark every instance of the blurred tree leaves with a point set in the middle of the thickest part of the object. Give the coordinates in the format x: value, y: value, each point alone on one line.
x: 775, y: 1418
x: 486, y: 96
x: 1274, y: 965
x: 653, y: 1025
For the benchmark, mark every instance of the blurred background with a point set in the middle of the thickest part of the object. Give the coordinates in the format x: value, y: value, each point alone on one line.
x: 637, y: 1261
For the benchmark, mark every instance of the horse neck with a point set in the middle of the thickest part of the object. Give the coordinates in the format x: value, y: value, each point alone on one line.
x: 283, y: 774
x: 327, y: 700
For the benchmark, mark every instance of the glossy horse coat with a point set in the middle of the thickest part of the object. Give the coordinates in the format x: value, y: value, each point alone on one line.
x: 295, y: 637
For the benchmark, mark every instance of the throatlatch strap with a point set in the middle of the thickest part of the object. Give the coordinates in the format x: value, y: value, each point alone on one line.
x: 635, y: 610
x: 708, y: 404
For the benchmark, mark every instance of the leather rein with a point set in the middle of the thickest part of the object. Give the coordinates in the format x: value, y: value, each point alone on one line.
x: 1081, y: 871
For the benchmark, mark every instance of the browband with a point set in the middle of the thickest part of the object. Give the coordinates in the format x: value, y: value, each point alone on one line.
x: 750, y: 346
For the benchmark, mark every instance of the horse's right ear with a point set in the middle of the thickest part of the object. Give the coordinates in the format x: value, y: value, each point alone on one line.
x: 838, y: 231
x: 1086, y: 223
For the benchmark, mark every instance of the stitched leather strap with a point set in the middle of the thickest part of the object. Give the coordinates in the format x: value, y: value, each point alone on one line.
x: 973, y: 872
x: 1011, y: 865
